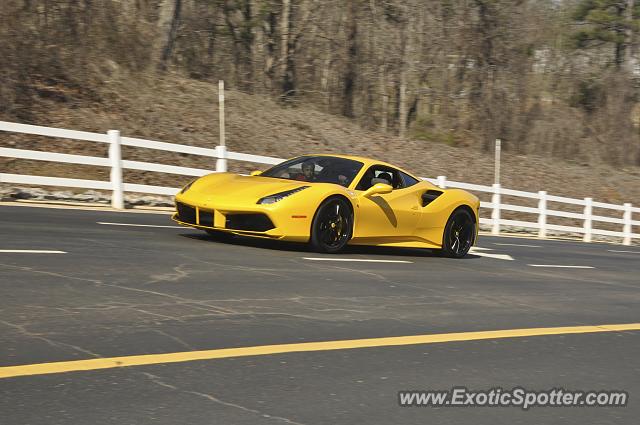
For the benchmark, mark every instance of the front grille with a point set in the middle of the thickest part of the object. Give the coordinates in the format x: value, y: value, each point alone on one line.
x: 249, y: 222
x: 186, y: 213
x: 206, y: 218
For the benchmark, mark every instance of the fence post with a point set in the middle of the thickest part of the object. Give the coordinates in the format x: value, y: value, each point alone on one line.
x: 442, y: 182
x: 495, y: 214
x: 496, y: 165
x: 627, y: 224
x: 221, y: 163
x: 115, y: 156
x: 542, y: 214
x: 588, y: 214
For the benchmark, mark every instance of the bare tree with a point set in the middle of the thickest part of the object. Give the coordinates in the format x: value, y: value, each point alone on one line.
x: 168, y: 23
x: 447, y: 71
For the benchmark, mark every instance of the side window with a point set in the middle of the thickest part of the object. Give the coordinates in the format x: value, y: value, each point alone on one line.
x: 380, y: 174
x: 408, y: 180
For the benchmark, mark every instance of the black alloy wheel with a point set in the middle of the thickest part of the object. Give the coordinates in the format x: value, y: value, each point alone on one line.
x: 332, y: 226
x: 459, y: 234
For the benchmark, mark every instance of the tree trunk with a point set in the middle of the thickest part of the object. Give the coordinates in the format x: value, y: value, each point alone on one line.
x: 352, y: 54
x: 629, y: 58
x: 168, y: 22
x: 403, y: 110
x: 325, y: 79
x: 402, y: 107
x: 256, y: 47
x: 270, y: 71
x: 239, y: 21
x: 384, y: 114
x: 247, y: 37
x: 288, y: 85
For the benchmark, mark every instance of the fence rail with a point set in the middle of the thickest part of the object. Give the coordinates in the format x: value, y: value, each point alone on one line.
x: 114, y: 161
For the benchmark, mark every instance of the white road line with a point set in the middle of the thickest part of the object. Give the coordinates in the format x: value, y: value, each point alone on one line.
x: 476, y: 250
x: 625, y: 252
x: 356, y: 260
x: 517, y: 244
x: 557, y: 266
x: 494, y: 256
x: 140, y: 225
x: 29, y: 251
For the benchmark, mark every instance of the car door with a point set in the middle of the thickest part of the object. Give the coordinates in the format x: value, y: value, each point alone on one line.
x: 388, y: 217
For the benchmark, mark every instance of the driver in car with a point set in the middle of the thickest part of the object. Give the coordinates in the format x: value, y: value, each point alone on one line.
x: 308, y: 172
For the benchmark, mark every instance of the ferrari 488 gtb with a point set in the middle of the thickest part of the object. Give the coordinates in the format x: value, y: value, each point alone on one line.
x: 331, y: 201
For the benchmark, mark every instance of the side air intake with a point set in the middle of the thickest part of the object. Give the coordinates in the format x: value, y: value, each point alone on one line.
x: 429, y: 196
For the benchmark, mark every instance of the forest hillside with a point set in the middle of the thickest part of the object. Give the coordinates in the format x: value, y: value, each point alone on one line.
x: 427, y: 84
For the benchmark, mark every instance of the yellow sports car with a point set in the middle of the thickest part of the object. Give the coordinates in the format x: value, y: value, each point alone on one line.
x: 331, y: 201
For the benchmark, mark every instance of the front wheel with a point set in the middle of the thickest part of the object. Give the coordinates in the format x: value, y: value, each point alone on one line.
x: 332, y: 226
x: 459, y: 234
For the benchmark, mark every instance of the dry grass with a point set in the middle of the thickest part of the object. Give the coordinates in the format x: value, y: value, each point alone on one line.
x: 179, y: 110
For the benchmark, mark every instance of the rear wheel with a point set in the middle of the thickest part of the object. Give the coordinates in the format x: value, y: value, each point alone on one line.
x: 332, y: 226
x: 459, y: 234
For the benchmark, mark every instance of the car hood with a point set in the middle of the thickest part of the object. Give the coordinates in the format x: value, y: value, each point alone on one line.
x: 250, y: 188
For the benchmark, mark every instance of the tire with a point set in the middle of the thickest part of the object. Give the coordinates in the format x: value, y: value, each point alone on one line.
x: 332, y: 226
x: 459, y: 234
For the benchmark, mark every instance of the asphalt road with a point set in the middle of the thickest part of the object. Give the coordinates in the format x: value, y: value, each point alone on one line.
x: 129, y: 290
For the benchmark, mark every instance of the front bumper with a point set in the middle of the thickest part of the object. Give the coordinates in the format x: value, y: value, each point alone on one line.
x: 256, y: 221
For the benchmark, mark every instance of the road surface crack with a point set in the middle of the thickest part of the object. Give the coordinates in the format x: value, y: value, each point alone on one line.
x: 159, y: 381
x: 178, y: 274
x: 175, y: 338
x: 23, y: 331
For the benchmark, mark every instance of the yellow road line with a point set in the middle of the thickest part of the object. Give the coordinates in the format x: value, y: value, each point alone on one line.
x: 262, y: 350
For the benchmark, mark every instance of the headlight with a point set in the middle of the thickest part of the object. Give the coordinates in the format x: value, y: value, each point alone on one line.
x: 272, y: 199
x: 184, y: 189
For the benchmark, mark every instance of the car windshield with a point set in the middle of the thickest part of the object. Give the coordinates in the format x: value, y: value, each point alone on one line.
x: 318, y: 169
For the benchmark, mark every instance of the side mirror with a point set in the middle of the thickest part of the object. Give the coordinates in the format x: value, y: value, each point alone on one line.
x: 378, y: 189
x: 256, y: 173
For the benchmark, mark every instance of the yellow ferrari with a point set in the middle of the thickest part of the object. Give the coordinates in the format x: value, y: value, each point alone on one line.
x: 331, y: 201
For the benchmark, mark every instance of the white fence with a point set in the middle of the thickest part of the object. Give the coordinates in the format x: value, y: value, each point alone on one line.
x: 620, y: 215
